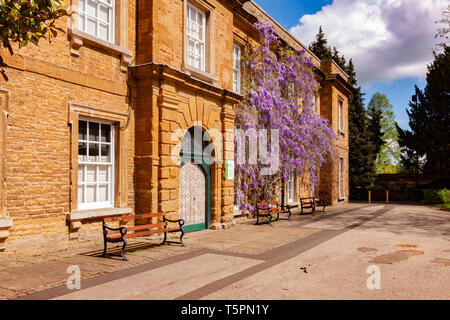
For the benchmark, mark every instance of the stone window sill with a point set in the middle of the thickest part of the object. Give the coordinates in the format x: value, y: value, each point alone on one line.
x: 5, y: 223
x: 97, y: 213
x: 238, y: 213
x: 80, y: 38
x: 201, y: 75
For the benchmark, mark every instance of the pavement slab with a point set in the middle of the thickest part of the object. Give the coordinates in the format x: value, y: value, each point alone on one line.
x: 166, y: 282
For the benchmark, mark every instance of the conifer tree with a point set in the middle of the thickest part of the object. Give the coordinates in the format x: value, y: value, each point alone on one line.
x: 429, y: 120
x: 361, y: 149
x: 320, y: 47
x: 323, y: 51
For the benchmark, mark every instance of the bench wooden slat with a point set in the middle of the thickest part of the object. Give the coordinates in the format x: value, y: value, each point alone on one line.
x: 144, y: 233
x: 279, y: 211
x: 149, y: 215
x: 139, y: 227
x: 134, y: 217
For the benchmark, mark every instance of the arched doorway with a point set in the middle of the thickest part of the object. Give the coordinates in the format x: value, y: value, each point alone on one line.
x: 195, y: 180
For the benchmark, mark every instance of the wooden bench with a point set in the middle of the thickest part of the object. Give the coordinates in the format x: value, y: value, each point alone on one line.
x: 312, y: 203
x: 320, y: 203
x: 308, y: 203
x: 267, y: 209
x: 121, y: 234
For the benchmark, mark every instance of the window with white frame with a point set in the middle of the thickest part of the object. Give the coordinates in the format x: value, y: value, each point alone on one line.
x: 236, y: 68
x: 291, y: 89
x: 291, y: 187
x: 341, y: 116
x: 96, y: 17
x: 316, y: 103
x: 341, y: 178
x: 95, y: 164
x: 196, y: 35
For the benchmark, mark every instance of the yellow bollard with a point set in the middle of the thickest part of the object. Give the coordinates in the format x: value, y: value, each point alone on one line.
x: 387, y: 196
x: 369, y: 196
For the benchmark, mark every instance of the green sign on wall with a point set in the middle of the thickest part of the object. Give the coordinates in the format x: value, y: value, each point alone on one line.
x: 229, y: 169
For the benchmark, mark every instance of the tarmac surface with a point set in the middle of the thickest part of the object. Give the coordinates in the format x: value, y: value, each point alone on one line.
x: 353, y: 251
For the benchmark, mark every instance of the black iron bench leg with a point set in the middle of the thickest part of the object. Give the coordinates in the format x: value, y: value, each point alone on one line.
x: 123, y: 249
x: 105, y: 245
x: 181, y: 237
x: 180, y: 224
x: 165, y: 238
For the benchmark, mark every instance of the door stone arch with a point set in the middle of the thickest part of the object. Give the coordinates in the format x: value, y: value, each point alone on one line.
x: 195, y: 180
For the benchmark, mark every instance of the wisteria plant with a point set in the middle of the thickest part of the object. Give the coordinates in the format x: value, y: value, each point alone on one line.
x: 278, y: 93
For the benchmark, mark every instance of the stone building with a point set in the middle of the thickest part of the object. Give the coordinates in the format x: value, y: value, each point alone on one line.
x: 110, y: 118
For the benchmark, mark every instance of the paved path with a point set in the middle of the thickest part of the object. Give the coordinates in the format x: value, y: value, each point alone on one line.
x: 321, y: 257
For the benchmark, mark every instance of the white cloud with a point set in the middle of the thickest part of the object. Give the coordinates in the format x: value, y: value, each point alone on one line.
x: 387, y: 39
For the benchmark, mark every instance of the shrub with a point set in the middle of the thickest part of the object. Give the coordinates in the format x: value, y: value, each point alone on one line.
x: 434, y: 196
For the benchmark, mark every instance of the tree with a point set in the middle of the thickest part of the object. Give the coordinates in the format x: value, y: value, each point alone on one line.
x: 320, y: 47
x: 375, y: 130
x: 361, y: 149
x: 388, y: 155
x: 412, y: 142
x: 24, y: 21
x: 427, y: 140
x: 437, y: 130
x: 340, y: 60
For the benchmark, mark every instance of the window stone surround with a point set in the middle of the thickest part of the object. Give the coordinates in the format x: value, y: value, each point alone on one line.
x: 119, y: 47
x: 209, y: 74
x: 5, y: 221
x: 75, y: 216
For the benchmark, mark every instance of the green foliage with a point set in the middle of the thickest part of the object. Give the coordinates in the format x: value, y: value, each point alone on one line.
x: 361, y: 148
x: 412, y: 142
x: 320, y: 46
x: 388, y: 151
x: 426, y: 144
x: 433, y: 196
x: 24, y: 21
x: 323, y: 51
x: 375, y: 129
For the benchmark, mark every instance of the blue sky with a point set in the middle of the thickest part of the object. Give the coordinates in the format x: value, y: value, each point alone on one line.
x: 390, y: 41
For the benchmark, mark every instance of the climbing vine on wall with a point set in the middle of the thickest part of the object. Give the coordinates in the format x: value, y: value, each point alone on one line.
x: 278, y: 97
